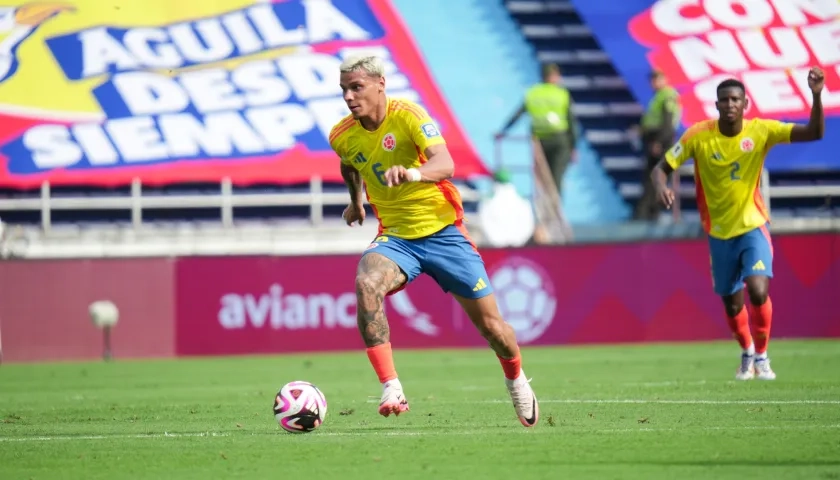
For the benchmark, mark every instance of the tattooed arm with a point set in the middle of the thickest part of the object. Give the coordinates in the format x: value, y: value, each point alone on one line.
x: 353, y: 180
x: 376, y: 276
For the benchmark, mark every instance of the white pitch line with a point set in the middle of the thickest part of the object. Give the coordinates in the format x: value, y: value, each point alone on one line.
x: 681, y: 402
x: 110, y: 437
x: 514, y: 430
x: 655, y: 401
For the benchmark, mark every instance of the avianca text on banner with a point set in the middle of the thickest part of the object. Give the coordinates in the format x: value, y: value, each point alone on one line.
x: 768, y: 44
x: 193, y: 90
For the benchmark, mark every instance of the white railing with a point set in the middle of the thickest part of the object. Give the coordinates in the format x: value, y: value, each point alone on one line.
x: 769, y: 192
x: 225, y: 200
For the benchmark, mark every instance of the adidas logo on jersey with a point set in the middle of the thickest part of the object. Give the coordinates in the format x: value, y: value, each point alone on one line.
x: 759, y: 266
x: 480, y: 285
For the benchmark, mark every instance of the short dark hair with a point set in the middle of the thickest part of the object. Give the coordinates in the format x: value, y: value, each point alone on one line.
x: 548, y: 69
x: 731, y: 83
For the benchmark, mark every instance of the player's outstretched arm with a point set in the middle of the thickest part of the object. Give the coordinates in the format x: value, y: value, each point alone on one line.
x: 815, y: 128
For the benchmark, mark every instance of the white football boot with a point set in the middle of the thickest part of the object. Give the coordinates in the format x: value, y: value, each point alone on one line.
x: 746, y: 370
x: 524, y: 400
x: 393, y: 399
x: 762, y: 368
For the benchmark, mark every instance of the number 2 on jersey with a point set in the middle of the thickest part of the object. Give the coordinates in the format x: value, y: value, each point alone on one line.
x: 379, y: 172
x: 733, y: 174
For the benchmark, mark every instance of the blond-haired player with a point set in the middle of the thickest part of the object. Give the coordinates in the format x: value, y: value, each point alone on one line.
x: 396, y: 149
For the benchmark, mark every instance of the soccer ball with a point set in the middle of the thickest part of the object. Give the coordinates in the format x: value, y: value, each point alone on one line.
x: 300, y: 407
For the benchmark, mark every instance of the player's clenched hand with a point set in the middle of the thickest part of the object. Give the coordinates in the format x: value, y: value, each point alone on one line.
x: 354, y: 213
x: 396, y: 175
x: 816, y: 79
x: 665, y: 196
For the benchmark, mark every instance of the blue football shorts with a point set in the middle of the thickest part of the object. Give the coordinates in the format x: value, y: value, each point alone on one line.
x: 448, y: 256
x: 737, y: 258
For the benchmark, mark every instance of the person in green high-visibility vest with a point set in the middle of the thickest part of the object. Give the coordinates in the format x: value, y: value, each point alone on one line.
x: 553, y: 123
x: 658, y: 132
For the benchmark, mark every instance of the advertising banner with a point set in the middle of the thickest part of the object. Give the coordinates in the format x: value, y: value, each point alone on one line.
x: 100, y: 93
x: 587, y: 294
x: 767, y: 44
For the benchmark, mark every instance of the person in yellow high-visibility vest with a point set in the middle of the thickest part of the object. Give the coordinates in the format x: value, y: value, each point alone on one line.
x: 549, y: 105
x: 658, y: 132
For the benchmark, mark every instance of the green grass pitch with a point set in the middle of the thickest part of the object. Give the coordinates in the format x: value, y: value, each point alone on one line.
x: 613, y: 412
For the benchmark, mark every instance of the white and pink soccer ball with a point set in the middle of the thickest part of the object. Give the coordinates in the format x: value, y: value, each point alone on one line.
x: 300, y: 407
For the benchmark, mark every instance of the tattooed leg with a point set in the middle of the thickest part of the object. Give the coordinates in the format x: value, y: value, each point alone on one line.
x: 375, y: 277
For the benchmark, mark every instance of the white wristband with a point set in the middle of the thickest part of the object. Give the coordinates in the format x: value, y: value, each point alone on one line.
x: 414, y: 175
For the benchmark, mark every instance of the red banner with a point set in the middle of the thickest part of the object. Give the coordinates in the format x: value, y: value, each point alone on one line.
x: 587, y: 294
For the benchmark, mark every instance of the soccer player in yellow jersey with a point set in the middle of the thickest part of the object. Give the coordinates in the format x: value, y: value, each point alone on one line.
x: 728, y: 158
x: 395, y: 148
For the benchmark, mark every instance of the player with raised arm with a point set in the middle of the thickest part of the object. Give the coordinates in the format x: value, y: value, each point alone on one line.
x: 395, y: 148
x: 728, y: 158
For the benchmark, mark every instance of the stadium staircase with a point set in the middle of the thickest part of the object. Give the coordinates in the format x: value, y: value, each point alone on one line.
x: 604, y: 105
x: 483, y: 65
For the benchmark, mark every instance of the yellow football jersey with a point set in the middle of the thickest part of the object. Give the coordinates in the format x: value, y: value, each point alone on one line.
x: 728, y: 172
x: 411, y: 210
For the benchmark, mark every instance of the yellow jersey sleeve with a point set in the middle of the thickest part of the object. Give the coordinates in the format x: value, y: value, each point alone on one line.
x: 419, y: 125
x: 681, y: 151
x: 336, y: 138
x: 777, y: 132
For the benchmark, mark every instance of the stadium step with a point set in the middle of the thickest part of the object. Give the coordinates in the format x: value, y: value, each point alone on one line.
x: 604, y: 105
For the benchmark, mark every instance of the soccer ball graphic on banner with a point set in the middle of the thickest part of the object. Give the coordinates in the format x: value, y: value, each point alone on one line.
x: 526, y: 297
x: 300, y: 407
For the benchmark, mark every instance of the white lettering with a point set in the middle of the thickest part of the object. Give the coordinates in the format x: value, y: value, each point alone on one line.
x: 824, y: 40
x: 696, y: 57
x: 791, y: 50
x: 95, y: 142
x: 246, y: 39
x: 279, y: 124
x: 260, y: 84
x: 771, y: 91
x: 146, y: 93
x: 751, y: 14
x: 139, y: 42
x: 51, y: 146
x: 100, y: 51
x: 792, y: 12
x: 137, y: 139
x: 311, y: 76
x: 218, y: 136
x: 202, y: 42
x: 292, y: 311
x: 232, y: 314
x: 345, y: 309
x: 211, y: 91
x: 257, y: 309
x: 668, y: 19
